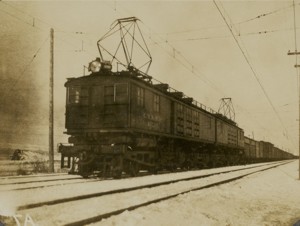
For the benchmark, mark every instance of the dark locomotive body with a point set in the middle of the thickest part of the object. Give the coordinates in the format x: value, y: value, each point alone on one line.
x: 122, y: 122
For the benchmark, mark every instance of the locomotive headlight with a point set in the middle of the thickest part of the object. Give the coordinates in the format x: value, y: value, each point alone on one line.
x: 94, y: 66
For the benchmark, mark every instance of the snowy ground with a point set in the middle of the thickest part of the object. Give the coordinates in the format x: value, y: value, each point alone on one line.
x: 34, y: 161
x: 89, y: 186
x: 268, y: 198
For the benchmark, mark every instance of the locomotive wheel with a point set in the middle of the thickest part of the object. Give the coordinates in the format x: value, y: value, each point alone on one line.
x: 84, y: 175
x: 154, y: 170
x: 117, y: 174
x: 134, y: 169
x: 84, y: 171
x: 85, y: 164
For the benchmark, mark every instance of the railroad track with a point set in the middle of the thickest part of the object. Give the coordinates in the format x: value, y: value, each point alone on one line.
x: 38, y: 181
x: 186, y: 185
x: 31, y: 176
x: 7, y: 185
x: 144, y: 204
x: 111, y: 192
x: 35, y: 178
x: 70, y: 181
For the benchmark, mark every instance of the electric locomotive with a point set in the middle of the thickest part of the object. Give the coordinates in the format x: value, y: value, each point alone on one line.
x: 124, y: 121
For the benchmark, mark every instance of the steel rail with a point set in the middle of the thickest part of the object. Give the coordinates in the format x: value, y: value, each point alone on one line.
x: 130, y: 208
x: 123, y: 190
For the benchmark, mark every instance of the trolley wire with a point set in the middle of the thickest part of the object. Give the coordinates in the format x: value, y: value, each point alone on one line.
x: 10, y: 89
x: 190, y: 66
x: 18, y: 18
x: 237, y: 23
x: 251, y: 66
x: 264, y: 32
x: 265, y: 14
x: 43, y: 28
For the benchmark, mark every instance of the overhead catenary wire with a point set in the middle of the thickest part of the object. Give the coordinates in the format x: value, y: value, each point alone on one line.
x: 264, y: 32
x: 260, y: 16
x: 185, y: 63
x: 254, y: 73
x: 188, y: 66
x: 265, y: 14
x: 18, y: 18
x: 10, y: 89
x: 45, y: 27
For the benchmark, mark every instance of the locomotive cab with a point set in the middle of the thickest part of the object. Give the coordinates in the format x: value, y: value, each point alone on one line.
x: 103, y: 112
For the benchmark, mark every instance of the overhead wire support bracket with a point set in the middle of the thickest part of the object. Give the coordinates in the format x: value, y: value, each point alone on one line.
x: 293, y: 53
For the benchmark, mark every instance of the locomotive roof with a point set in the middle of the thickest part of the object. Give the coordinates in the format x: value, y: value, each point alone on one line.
x: 151, y: 82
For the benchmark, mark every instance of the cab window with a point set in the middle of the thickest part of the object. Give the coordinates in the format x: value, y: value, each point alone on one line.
x: 156, y: 103
x: 78, y: 95
x: 117, y: 93
x: 140, y: 96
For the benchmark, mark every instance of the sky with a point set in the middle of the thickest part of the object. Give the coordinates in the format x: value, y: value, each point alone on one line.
x: 192, y: 48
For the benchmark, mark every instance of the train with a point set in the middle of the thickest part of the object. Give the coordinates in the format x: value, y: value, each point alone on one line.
x: 262, y: 151
x: 124, y: 122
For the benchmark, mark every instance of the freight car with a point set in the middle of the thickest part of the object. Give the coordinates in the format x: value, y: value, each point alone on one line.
x: 126, y: 121
x: 262, y: 151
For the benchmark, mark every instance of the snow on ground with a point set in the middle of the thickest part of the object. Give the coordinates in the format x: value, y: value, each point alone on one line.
x: 268, y: 198
x: 38, y: 181
x: 80, y: 210
x: 92, y: 186
x: 34, y: 161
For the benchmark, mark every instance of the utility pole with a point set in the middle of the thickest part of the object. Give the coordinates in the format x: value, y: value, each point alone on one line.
x: 298, y: 74
x: 51, y: 111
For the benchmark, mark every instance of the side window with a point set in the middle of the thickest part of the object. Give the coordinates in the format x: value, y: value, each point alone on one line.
x: 121, y: 92
x: 108, y: 94
x: 189, y: 119
x: 196, y: 123
x: 96, y: 95
x: 84, y: 96
x: 180, y: 113
x: 117, y: 93
x: 241, y: 135
x: 78, y: 95
x: 208, y: 123
x: 156, y: 103
x: 180, y: 119
x: 140, y: 95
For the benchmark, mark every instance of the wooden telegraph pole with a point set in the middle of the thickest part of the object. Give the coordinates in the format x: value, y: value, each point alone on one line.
x: 298, y: 74
x: 51, y: 130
